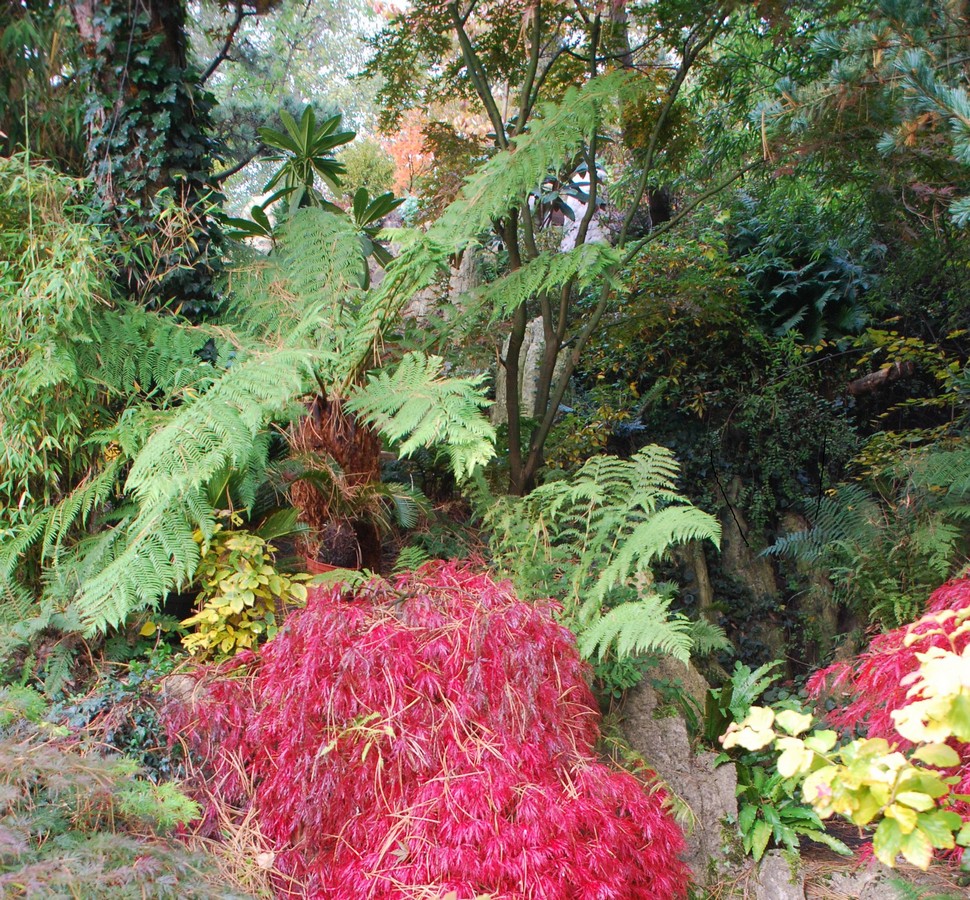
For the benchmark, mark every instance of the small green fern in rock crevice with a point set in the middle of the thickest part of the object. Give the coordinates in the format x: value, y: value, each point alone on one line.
x: 590, y: 542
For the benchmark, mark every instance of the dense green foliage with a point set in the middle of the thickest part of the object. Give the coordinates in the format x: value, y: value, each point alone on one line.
x: 672, y: 327
x: 594, y: 539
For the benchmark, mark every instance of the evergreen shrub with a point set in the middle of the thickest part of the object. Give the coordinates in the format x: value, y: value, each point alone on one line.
x: 431, y: 736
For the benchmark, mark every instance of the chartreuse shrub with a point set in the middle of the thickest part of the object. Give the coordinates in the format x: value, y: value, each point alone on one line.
x: 242, y: 594
x: 909, y: 776
x: 769, y: 811
x: 431, y: 736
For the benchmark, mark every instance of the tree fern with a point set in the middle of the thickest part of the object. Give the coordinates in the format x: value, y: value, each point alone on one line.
x: 166, y: 412
x: 586, y: 264
x: 415, y: 406
x: 555, y: 132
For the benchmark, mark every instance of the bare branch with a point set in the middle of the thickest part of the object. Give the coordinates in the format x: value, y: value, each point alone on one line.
x: 223, y: 53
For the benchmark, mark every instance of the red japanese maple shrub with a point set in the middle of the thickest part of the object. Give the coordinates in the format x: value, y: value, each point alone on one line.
x: 428, y: 736
x: 873, y: 684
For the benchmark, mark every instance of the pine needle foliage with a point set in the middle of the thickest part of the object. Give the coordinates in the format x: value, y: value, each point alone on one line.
x: 591, y: 541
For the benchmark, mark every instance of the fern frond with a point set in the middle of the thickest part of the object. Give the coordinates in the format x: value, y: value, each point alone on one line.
x: 848, y: 515
x: 594, y: 535
x: 416, y: 407
x: 131, y: 350
x: 15, y: 602
x: 555, y: 132
x: 706, y: 638
x: 409, y: 559
x: 547, y: 272
x: 638, y: 627
x: 943, y: 469
x: 77, y: 507
x: 648, y: 541
x: 156, y: 552
x: 219, y: 429
x: 322, y: 256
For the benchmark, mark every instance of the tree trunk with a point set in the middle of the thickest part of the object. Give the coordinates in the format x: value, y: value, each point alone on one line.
x: 148, y: 148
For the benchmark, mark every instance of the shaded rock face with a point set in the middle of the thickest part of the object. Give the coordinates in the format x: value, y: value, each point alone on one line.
x: 741, y: 561
x: 707, y: 791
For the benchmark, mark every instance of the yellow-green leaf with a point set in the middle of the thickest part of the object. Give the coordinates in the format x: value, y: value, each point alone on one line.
x: 940, y: 755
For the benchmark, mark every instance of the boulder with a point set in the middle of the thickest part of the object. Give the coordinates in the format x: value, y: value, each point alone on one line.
x: 706, y: 790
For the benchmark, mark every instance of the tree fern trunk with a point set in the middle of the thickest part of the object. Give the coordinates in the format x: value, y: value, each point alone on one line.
x: 327, y: 430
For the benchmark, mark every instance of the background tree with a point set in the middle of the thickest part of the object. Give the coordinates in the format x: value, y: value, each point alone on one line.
x: 509, y: 58
x: 149, y: 146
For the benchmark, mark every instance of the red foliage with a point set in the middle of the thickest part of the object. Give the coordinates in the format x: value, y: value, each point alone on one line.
x: 872, y: 685
x: 436, y: 734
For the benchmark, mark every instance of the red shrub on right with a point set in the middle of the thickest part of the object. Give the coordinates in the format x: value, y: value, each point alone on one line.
x: 872, y: 685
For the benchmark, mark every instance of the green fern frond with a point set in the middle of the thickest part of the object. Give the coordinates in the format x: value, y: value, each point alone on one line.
x: 219, y: 428
x: 588, y: 539
x: 130, y: 350
x: 547, y: 272
x: 15, y: 602
x: 555, y: 132
x: 848, y: 515
x: 156, y: 552
x: 706, y: 638
x: 648, y: 541
x: 322, y: 255
x: 948, y: 470
x: 416, y: 407
x: 24, y: 537
x: 638, y: 627
x: 409, y: 559
x: 77, y: 508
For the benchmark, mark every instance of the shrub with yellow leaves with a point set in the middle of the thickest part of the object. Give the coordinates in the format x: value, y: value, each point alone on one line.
x: 242, y: 594
x: 869, y: 780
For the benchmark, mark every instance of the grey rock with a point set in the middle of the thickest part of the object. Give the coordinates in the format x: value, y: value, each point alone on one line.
x: 775, y: 879
x: 707, y: 791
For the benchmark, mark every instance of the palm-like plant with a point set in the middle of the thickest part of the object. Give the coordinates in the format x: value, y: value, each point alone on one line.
x: 306, y: 153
